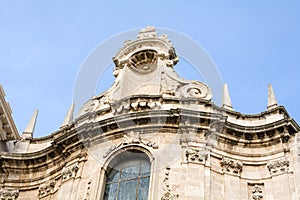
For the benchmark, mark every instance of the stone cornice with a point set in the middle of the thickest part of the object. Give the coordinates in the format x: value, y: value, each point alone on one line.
x: 176, y: 118
x: 60, y: 150
x: 73, y: 138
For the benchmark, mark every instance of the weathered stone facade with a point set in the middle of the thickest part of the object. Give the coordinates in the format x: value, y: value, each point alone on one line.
x: 197, y: 150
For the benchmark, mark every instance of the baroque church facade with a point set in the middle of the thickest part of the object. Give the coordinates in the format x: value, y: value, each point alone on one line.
x: 153, y: 135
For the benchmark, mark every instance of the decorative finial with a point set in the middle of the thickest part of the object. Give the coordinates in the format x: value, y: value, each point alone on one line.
x: 69, y: 117
x: 272, y: 102
x: 28, y: 133
x: 226, y: 101
x: 148, y: 32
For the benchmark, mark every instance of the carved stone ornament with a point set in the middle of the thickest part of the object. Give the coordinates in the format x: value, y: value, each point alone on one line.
x: 70, y: 172
x: 257, y: 193
x: 195, y: 89
x: 88, y: 190
x: 9, y: 194
x: 166, y: 187
x: 128, y: 139
x: 135, y: 106
x: 143, y: 62
x: 279, y: 166
x: 46, y: 188
x: 231, y: 166
x: 148, y: 32
x: 196, y: 155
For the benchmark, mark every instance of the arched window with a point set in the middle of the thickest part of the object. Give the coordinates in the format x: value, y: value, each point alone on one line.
x: 128, y: 177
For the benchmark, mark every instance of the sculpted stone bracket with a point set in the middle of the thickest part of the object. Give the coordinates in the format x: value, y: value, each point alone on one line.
x: 168, y: 195
x: 129, y: 139
x: 279, y: 166
x: 47, y: 188
x: 9, y: 194
x: 231, y: 166
x: 70, y: 172
x: 196, y: 155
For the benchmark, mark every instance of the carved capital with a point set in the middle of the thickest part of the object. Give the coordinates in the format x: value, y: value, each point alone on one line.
x: 8, y: 194
x: 196, y: 155
x: 46, y: 188
x: 279, y: 166
x: 231, y: 166
x: 70, y: 172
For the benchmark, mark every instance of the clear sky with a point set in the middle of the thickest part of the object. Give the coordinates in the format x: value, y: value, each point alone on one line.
x: 44, y: 43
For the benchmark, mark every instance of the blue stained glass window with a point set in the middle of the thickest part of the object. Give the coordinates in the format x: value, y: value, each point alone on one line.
x: 129, y: 178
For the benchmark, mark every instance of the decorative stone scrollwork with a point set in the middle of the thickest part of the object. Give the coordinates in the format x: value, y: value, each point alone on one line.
x: 128, y: 139
x: 279, y: 166
x: 257, y: 193
x: 70, y: 172
x: 196, y: 155
x: 46, y: 188
x: 196, y: 89
x: 8, y: 194
x: 232, y: 166
x: 166, y: 186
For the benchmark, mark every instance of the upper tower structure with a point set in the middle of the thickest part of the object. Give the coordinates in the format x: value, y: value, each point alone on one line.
x: 145, y: 67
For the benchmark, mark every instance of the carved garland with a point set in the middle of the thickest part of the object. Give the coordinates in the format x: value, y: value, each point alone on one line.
x: 166, y: 186
x: 257, y: 192
x: 87, y: 193
x: 131, y: 138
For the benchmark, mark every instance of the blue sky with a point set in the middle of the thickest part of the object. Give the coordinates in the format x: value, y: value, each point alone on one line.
x: 44, y: 43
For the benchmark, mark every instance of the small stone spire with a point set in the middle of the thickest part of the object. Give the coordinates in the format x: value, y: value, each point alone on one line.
x: 272, y: 102
x: 226, y: 101
x: 28, y: 132
x: 69, y: 117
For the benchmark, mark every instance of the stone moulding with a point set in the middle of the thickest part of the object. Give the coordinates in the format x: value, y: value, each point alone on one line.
x: 9, y: 194
x: 70, y: 172
x: 231, y: 166
x: 130, y: 139
x: 168, y: 195
x: 46, y: 188
x: 196, y: 155
x: 279, y: 166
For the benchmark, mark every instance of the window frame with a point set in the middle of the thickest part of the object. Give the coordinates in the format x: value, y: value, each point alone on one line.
x: 114, y: 158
